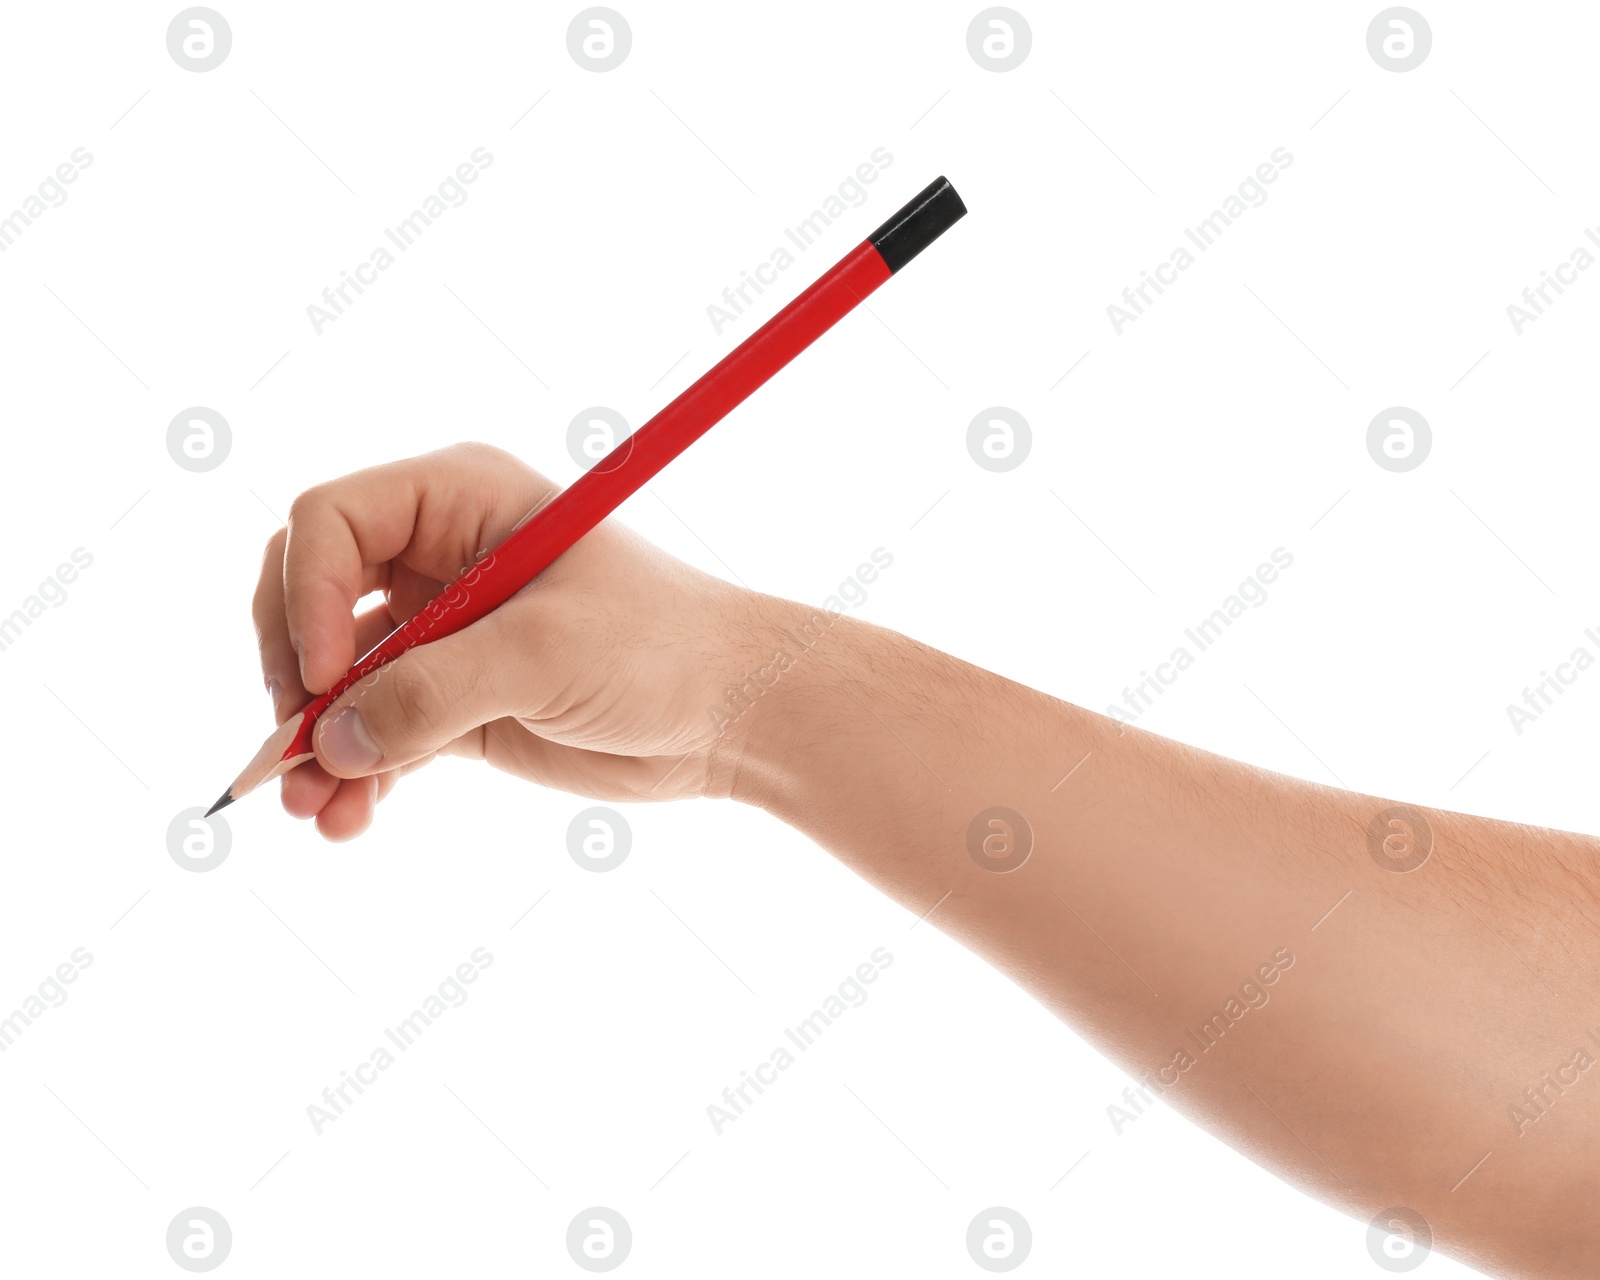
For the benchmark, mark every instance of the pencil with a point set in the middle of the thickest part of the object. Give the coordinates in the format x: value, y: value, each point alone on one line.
x: 552, y: 529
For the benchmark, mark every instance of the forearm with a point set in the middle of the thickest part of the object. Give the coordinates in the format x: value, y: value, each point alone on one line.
x: 1371, y: 1054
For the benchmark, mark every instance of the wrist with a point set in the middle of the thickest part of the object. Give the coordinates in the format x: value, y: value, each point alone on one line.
x: 810, y: 663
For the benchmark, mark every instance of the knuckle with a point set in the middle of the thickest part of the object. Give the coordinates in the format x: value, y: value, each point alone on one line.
x: 412, y: 706
x: 310, y: 503
x: 500, y: 463
x: 478, y: 451
x: 272, y: 553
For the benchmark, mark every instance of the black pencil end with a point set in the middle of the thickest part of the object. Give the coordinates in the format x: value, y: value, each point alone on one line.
x: 222, y: 803
x: 932, y: 212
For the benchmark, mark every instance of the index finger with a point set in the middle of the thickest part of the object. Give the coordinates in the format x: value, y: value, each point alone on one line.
x: 433, y: 513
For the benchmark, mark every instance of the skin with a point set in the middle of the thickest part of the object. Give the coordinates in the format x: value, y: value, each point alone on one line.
x: 1407, y: 1011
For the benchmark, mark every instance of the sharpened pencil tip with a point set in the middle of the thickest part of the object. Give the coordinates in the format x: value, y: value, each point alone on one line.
x: 222, y: 803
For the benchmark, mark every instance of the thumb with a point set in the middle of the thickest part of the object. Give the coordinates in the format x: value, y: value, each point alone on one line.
x: 411, y: 707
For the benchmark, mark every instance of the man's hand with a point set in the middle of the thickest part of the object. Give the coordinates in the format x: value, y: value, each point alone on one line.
x: 597, y: 678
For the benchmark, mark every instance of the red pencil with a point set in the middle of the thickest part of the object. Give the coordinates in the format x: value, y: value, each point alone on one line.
x: 549, y: 531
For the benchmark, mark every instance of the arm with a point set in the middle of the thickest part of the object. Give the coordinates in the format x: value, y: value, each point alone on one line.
x: 1250, y: 947
x: 1277, y: 959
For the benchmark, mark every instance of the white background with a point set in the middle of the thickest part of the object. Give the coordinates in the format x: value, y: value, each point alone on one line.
x: 1229, y: 420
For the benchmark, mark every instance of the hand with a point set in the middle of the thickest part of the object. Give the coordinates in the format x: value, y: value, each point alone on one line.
x: 599, y: 678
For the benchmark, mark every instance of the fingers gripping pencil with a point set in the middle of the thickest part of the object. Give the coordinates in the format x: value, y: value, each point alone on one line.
x: 553, y: 528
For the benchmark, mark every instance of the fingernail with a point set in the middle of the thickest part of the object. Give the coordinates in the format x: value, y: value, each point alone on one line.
x: 346, y: 743
x: 274, y: 691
